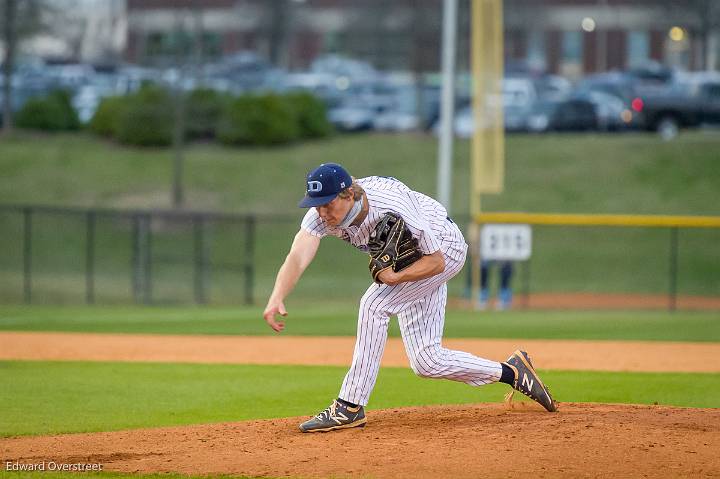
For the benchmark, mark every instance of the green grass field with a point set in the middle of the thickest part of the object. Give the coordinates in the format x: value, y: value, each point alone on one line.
x: 60, y: 397
x: 339, y: 319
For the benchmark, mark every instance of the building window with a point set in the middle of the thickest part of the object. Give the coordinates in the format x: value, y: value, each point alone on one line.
x: 572, y: 54
x: 536, y: 54
x: 677, y: 48
x: 181, y: 44
x: 572, y: 46
x: 211, y: 45
x: 638, y: 48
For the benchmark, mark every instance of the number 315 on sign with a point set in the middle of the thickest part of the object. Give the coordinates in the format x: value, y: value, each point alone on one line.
x: 506, y: 242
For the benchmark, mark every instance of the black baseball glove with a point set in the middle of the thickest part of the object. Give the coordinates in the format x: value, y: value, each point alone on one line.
x: 392, y: 245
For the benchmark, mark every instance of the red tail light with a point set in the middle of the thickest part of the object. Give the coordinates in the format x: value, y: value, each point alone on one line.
x: 638, y: 104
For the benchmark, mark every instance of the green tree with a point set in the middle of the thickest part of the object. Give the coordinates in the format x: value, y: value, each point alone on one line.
x: 19, y: 19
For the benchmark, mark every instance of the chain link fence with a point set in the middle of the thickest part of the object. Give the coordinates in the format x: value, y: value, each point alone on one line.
x: 53, y: 255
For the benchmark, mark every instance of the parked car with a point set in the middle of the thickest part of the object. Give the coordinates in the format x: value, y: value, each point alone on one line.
x: 609, y: 109
x: 518, y: 96
x: 402, y: 114
x: 620, y: 85
x: 613, y: 83
x: 573, y: 114
x: 463, y: 123
x: 396, y: 120
x: 353, y: 114
x: 322, y: 85
x: 347, y: 70
x: 652, y: 76
x: 247, y: 71
x: 693, y: 100
x: 552, y: 87
x: 70, y: 77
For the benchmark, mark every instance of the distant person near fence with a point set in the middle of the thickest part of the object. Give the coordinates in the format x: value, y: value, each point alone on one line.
x: 504, y: 290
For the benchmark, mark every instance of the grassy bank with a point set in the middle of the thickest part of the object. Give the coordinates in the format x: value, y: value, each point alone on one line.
x: 339, y: 319
x: 633, y: 173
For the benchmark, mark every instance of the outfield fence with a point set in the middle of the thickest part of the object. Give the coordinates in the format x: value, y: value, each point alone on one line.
x: 53, y: 255
x: 632, y: 259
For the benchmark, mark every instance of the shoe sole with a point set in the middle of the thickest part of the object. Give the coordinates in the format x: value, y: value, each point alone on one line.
x: 529, y: 365
x: 360, y: 423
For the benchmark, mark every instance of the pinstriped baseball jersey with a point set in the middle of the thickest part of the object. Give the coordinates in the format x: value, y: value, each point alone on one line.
x: 424, y: 217
x: 419, y: 305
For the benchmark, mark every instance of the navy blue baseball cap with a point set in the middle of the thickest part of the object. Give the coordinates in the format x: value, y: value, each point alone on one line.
x: 324, y: 183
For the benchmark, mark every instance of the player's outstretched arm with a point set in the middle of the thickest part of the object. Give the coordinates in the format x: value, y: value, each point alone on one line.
x: 302, y: 252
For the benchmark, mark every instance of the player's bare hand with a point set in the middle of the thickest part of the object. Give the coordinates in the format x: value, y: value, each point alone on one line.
x: 271, y: 311
x: 389, y: 277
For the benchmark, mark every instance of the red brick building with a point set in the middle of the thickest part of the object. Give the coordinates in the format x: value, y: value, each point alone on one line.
x: 572, y: 37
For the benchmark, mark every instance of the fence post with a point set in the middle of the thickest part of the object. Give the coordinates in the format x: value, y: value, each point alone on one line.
x: 147, y: 257
x: 526, y: 284
x: 200, y: 259
x: 142, y: 250
x: 673, y: 270
x: 135, y: 241
x: 249, y: 258
x: 27, y: 255
x: 90, y: 258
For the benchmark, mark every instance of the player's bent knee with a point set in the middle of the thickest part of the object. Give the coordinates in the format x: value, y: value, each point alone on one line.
x: 426, y: 367
x: 419, y: 370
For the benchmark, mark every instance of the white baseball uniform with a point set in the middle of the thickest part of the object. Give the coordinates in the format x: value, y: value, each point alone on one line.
x: 419, y: 305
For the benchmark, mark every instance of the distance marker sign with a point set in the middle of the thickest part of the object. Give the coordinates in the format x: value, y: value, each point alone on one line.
x: 506, y: 242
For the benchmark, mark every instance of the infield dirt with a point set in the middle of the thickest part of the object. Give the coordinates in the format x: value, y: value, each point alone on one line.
x: 646, y: 356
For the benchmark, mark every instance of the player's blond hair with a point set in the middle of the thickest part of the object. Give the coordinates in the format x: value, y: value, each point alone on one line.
x: 357, y: 193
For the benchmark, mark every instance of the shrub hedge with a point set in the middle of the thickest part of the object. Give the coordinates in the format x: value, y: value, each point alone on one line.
x: 146, y: 118
x: 311, y: 115
x: 258, y: 120
x: 106, y: 118
x: 203, y: 110
x: 53, y: 112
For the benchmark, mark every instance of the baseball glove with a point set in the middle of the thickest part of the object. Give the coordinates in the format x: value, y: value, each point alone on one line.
x: 391, y: 245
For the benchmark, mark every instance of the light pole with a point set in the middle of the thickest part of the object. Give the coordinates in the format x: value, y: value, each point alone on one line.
x: 445, y: 147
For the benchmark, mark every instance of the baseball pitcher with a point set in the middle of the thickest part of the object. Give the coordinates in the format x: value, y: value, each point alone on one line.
x: 414, y: 249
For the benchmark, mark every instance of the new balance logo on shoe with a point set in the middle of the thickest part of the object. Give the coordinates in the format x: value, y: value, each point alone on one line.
x: 527, y: 382
x: 339, y: 418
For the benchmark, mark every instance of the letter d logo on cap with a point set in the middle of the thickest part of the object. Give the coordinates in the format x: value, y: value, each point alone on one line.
x: 314, y: 187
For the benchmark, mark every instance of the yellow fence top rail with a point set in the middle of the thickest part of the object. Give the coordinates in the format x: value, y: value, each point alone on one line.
x: 600, y: 220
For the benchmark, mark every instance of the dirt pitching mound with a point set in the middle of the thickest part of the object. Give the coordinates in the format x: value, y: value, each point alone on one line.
x: 484, y: 440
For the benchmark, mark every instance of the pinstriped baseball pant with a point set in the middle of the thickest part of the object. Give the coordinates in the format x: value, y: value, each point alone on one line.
x: 420, y: 308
